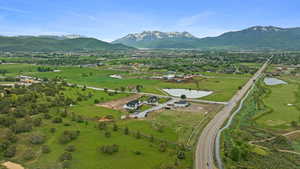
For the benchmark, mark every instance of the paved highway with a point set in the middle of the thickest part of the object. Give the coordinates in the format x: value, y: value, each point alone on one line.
x: 204, y: 157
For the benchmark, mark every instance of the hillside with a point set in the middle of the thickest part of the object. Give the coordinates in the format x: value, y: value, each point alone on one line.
x: 254, y: 38
x: 49, y: 44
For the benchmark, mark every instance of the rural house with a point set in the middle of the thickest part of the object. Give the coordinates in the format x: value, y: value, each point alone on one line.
x: 181, y: 103
x: 133, y: 105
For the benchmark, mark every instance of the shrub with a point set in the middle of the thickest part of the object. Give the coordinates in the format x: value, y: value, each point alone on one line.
x: 96, y: 101
x: 137, y: 153
x: 126, y: 131
x: 107, y: 134
x: 10, y: 151
x: 37, y: 122
x: 65, y: 156
x: 57, y: 120
x: 66, y: 164
x: 163, y: 147
x: 28, y: 155
x: 37, y: 139
x: 109, y: 149
x: 68, y: 136
x: 70, y: 148
x: 53, y: 130
x: 115, y: 127
x: 138, y: 135
x: 46, y: 149
x: 102, y: 126
x: 181, y: 155
x: 47, y: 116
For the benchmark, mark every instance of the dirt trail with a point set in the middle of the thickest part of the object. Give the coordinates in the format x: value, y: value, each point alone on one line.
x: 118, y: 104
x: 11, y: 165
x: 272, y: 138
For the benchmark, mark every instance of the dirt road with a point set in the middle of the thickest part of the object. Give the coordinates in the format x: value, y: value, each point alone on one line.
x: 204, y: 157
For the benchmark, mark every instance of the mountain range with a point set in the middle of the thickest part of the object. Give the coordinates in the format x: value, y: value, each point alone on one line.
x: 253, y: 38
x: 49, y: 43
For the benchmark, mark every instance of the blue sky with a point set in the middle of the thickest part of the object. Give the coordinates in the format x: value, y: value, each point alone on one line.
x: 111, y: 19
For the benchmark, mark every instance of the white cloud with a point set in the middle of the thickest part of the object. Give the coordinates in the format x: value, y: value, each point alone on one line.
x: 2, y: 8
x: 195, y: 19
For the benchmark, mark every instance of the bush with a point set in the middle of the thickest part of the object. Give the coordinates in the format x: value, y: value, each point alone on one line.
x: 47, y: 116
x: 37, y: 122
x: 107, y: 134
x: 70, y: 148
x: 28, y: 155
x: 137, y: 153
x: 138, y: 135
x: 66, y: 164
x: 163, y: 147
x: 126, y: 131
x: 181, y: 155
x: 37, y: 139
x: 46, y: 149
x: 57, y: 120
x: 102, y: 126
x: 109, y: 149
x: 68, y: 136
x: 53, y: 130
x: 96, y: 101
x: 10, y: 151
x: 115, y: 127
x: 65, y: 156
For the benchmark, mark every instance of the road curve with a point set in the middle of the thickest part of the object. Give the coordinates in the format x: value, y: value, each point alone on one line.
x: 204, y: 155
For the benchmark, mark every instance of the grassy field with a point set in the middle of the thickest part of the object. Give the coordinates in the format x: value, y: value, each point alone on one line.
x: 237, y: 151
x: 284, y: 102
x: 223, y: 85
x: 87, y: 156
x: 91, y: 138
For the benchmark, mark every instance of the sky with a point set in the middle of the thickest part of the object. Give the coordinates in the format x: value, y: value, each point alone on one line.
x: 111, y: 19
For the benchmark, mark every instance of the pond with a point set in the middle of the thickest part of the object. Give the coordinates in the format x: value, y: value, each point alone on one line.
x: 192, y: 94
x: 273, y: 81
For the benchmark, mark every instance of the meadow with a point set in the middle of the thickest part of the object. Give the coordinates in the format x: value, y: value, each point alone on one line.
x: 132, y: 151
x: 223, y: 85
x: 283, y: 100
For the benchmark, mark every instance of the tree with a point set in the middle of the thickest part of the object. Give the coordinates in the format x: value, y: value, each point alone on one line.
x: 57, y: 120
x: 107, y: 134
x: 102, y: 125
x: 138, y: 135
x: 115, y: 127
x: 162, y: 147
x: 37, y: 122
x: 66, y: 164
x: 10, y: 151
x: 109, y: 149
x: 294, y: 124
x: 126, y: 131
x: 70, y: 148
x: 65, y: 156
x: 46, y: 149
x: 96, y: 101
x: 37, y: 139
x: 151, y: 138
x: 183, y: 96
x: 28, y: 155
x: 181, y: 155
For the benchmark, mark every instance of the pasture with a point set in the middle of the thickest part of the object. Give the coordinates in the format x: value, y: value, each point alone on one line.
x: 283, y: 100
